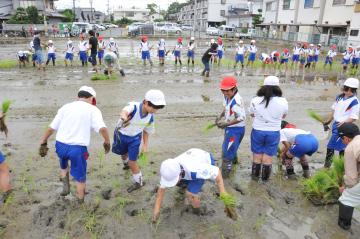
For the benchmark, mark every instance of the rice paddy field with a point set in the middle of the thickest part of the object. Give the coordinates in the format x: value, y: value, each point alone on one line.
x: 277, y: 209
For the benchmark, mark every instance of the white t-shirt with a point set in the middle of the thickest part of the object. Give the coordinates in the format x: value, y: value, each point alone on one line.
x: 102, y: 45
x: 161, y: 46
x: 296, y: 50
x: 197, y: 165
x: 70, y: 49
x: 191, y: 47
x: 317, y: 52
x: 311, y: 52
x: 74, y: 122
x: 264, y: 57
x: 345, y: 108
x: 31, y: 46
x: 83, y: 46
x: 269, y: 118
x: 289, y: 134
x: 144, y: 46
x: 113, y: 46
x: 220, y: 47
x: 240, y: 50
x: 356, y: 54
x: 347, y: 55
x: 178, y: 47
x: 51, y: 49
x: 331, y: 53
x: 252, y: 49
x: 234, y: 109
x: 138, y: 122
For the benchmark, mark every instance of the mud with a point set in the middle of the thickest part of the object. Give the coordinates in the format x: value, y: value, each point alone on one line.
x: 276, y: 209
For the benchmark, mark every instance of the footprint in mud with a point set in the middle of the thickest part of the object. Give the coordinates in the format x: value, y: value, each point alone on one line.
x: 106, y: 193
x: 276, y: 193
x: 202, y: 211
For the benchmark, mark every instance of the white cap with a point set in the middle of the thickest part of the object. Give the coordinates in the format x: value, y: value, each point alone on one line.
x: 241, y: 41
x: 352, y: 83
x: 253, y: 41
x: 88, y: 89
x: 358, y: 47
x: 69, y: 42
x: 111, y: 39
x: 192, y: 38
x: 271, y: 80
x: 162, y: 39
x: 170, y: 173
x: 319, y: 44
x: 212, y: 41
x: 50, y: 41
x: 156, y: 97
x: 311, y: 44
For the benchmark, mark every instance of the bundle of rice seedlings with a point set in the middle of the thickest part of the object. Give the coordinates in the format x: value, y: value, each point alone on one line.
x: 99, y: 76
x: 314, y: 115
x: 143, y: 159
x: 338, y: 166
x: 5, y: 108
x: 230, y: 205
x: 208, y: 127
x: 5, y: 64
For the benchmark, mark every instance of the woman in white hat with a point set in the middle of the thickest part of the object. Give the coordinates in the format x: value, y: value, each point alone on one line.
x: 268, y: 108
x: 344, y: 109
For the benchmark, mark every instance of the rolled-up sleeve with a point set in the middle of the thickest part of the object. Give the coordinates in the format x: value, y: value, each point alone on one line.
x: 57, y: 120
x: 97, y: 121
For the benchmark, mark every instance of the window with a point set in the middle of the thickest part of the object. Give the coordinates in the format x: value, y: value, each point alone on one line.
x: 339, y: 2
x: 286, y: 4
x: 129, y: 14
x: 354, y: 33
x: 222, y: 13
x: 223, y: 1
x: 268, y: 6
x: 308, y: 3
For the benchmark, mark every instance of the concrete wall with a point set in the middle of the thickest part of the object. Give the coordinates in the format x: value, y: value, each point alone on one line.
x: 342, y: 12
x: 269, y: 15
x: 286, y: 16
x: 355, y: 25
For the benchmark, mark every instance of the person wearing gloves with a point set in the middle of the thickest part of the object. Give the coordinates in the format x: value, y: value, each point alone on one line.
x: 268, y: 108
x: 345, y: 109
x: 191, y: 51
x: 69, y: 54
x: 240, y: 51
x: 73, y: 123
x: 233, y: 124
x: 191, y: 169
x: 350, y: 191
x: 177, y: 50
x: 135, y: 125
x: 113, y: 46
x: 161, y: 51
x: 252, y: 53
x: 111, y: 61
x: 5, y: 185
x: 296, y: 143
x: 145, y: 50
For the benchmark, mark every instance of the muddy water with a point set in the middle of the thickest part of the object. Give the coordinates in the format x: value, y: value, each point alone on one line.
x: 273, y: 210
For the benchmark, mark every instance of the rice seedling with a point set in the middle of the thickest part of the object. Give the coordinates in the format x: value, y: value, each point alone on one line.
x: 90, y: 222
x: 5, y: 108
x: 230, y: 204
x: 208, y: 127
x: 314, y: 115
x: 143, y: 160
x: 6, y: 64
x: 99, y: 76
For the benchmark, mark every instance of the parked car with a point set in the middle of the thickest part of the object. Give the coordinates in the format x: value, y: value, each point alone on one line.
x: 98, y: 27
x: 187, y: 27
x: 109, y: 25
x: 142, y: 29
x: 212, y: 31
x: 226, y: 31
x: 134, y: 26
x: 243, y: 33
x: 170, y: 29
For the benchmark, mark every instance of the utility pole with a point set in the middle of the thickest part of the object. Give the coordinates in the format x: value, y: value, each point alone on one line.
x: 74, y: 13
x: 45, y: 22
x: 195, y: 15
x: 91, y: 7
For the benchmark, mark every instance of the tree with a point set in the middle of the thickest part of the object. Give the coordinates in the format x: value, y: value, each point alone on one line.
x: 124, y: 21
x: 32, y: 14
x: 152, y: 7
x: 256, y: 20
x: 69, y: 14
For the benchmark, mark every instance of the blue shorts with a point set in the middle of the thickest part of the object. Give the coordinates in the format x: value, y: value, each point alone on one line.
x: 195, y: 186
x: 51, y: 56
x: 355, y: 61
x: 335, y: 141
x: 33, y: 58
x: 232, y: 139
x: 265, y: 142
x: 77, y: 155
x: 345, y: 61
x: 284, y: 61
x: 161, y: 53
x: 124, y: 144
x: 101, y: 54
x: 310, y: 59
x: 239, y: 57
x: 275, y: 59
x: 304, y: 144
x: 39, y: 56
x: 220, y: 54
x: 177, y: 53
x: 191, y: 54
x: 316, y: 58
x: 145, y: 55
x: 295, y: 57
x: 328, y: 60
x: 2, y: 158
x: 252, y: 57
x: 69, y: 56
x: 83, y: 56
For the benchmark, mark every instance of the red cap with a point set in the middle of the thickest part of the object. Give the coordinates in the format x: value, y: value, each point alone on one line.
x: 227, y: 83
x: 286, y: 50
x: 144, y: 38
x: 219, y: 40
x: 179, y: 39
x: 350, y: 49
x: 277, y: 54
x: 101, y: 38
x: 333, y: 46
x: 306, y: 44
x: 290, y: 126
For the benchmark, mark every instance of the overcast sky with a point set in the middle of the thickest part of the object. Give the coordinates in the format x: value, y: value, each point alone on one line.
x: 101, y: 5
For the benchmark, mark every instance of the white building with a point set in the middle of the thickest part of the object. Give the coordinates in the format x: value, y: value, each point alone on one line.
x: 310, y: 18
x: 354, y: 33
x: 135, y: 14
x: 242, y: 13
x: 204, y: 13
